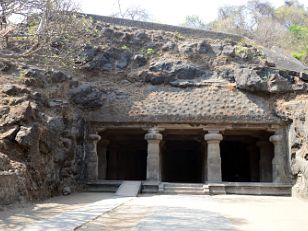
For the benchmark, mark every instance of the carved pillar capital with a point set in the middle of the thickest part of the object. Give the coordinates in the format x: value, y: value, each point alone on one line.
x: 213, y: 137
x: 94, y: 137
x: 275, y: 138
x: 153, y: 134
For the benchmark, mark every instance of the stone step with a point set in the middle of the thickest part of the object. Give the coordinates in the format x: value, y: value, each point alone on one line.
x: 182, y: 188
x: 101, y: 186
x: 191, y: 191
x: 183, y: 184
x: 129, y: 189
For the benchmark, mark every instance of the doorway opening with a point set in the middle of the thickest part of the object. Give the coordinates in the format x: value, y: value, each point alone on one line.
x: 182, y: 157
x: 240, y: 156
x: 126, y: 155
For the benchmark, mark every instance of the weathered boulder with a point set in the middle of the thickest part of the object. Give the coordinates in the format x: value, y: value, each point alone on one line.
x: 13, y: 89
x: 97, y: 59
x: 4, y: 110
x: 228, y: 50
x: 51, y: 76
x: 299, y: 168
x: 5, y: 66
x: 169, y: 71
x: 27, y: 136
x: 139, y: 38
x: 139, y: 61
x: 263, y: 80
x: 170, y: 46
x: 88, y: 96
x: 4, y: 162
x: 66, y: 190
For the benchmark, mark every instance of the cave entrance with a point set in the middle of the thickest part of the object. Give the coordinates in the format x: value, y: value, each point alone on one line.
x: 241, y: 159
x: 182, y: 157
x: 126, y: 155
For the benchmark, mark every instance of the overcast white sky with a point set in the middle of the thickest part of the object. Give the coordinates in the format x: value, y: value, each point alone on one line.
x: 167, y: 11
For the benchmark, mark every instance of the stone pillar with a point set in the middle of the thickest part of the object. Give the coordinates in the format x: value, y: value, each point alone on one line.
x: 213, y: 138
x: 253, y: 163
x: 92, y: 160
x: 265, y: 162
x: 102, y: 159
x: 278, y: 162
x: 153, y: 159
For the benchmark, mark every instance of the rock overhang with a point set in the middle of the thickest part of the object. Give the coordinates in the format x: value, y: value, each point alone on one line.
x: 214, y: 103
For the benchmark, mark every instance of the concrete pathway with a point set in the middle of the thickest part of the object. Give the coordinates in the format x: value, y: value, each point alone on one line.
x: 102, y: 211
x: 70, y: 220
x: 129, y: 189
x: 209, y: 213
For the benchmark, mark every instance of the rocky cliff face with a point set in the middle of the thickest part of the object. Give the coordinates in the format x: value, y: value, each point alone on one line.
x: 43, y: 110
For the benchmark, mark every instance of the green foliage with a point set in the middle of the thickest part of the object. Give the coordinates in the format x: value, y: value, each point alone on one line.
x: 194, y: 21
x: 179, y: 36
x: 300, y: 55
x: 294, y: 14
x: 298, y: 30
x: 148, y: 52
x: 125, y: 47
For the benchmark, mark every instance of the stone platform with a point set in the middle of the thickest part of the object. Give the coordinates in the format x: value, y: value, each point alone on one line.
x: 240, y: 188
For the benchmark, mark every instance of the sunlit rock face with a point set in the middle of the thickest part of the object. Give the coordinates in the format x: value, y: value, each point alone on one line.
x: 141, y: 74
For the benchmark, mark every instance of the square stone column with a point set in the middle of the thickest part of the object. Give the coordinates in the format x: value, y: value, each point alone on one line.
x: 278, y: 162
x: 153, y: 159
x: 213, y: 138
x: 102, y: 159
x: 92, y: 159
x: 265, y: 161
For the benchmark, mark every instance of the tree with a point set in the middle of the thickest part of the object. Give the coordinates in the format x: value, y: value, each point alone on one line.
x: 194, y: 21
x: 45, y: 23
x: 133, y: 13
x: 285, y: 26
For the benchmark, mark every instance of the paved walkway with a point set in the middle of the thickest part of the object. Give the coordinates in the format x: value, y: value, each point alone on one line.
x: 99, y: 211
x: 219, y: 213
x: 71, y: 220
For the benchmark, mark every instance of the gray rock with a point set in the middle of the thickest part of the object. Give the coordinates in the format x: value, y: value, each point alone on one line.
x: 4, y: 110
x: 26, y: 136
x: 5, y: 66
x: 228, y: 50
x: 88, y: 96
x: 66, y: 190
x: 278, y: 84
x: 169, y: 71
x: 140, y: 37
x: 205, y: 48
x: 139, y: 61
x: 56, y: 76
x: 107, y: 60
x: 304, y: 76
x: 55, y: 123
x: 4, y: 162
x: 35, y: 73
x: 217, y: 48
x: 163, y: 66
x: 11, y: 89
x: 169, y: 46
x: 187, y: 71
x: 248, y: 79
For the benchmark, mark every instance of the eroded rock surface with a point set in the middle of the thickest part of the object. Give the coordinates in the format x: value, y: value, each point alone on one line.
x: 139, y: 75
